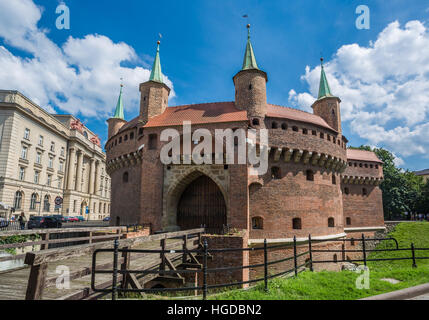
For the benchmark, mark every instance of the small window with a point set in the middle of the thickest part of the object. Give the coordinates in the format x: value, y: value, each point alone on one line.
x: 120, y: 139
x: 126, y: 138
x: 255, y: 122
x: 314, y: 133
x: 274, y: 125
x: 328, y: 137
x: 348, y: 221
x: 284, y: 126
x: 295, y: 128
x: 27, y: 134
x: 275, y: 173
x: 366, y: 165
x: 257, y: 223
x: 371, y: 166
x: 140, y: 131
x: 376, y: 166
x: 250, y: 87
x: 355, y: 164
x: 310, y: 175
x: 296, y: 223
x: 322, y: 136
x: 364, y: 191
x: 331, y: 222
x: 346, y: 190
x: 304, y: 131
x: 125, y: 177
x: 350, y: 164
x: 334, y: 179
x: 131, y: 135
x: 152, y: 141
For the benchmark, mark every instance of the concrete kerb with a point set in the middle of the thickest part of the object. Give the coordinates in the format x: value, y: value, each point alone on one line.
x: 403, y: 294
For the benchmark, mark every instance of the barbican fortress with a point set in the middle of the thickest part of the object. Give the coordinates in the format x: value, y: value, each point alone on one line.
x: 314, y: 184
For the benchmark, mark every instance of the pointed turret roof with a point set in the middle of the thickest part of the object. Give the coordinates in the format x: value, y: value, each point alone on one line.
x: 324, y: 90
x: 119, y: 112
x: 156, y: 74
x: 249, y: 56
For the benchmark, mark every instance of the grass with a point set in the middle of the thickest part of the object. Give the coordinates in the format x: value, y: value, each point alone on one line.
x: 328, y: 285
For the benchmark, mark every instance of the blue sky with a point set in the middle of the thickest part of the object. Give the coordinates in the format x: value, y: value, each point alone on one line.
x: 384, y: 91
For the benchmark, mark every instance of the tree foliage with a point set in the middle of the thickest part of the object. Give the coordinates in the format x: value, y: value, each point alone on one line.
x: 403, y: 191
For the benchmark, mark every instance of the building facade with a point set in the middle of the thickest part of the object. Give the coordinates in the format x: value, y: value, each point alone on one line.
x: 423, y: 173
x: 314, y: 184
x: 44, y: 156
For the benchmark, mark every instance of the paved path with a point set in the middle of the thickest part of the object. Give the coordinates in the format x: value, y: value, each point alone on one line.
x: 422, y: 297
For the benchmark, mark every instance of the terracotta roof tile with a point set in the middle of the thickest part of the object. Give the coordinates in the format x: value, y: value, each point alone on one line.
x: 295, y: 114
x: 363, y: 155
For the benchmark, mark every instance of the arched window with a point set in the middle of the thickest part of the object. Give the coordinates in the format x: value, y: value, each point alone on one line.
x: 125, y: 177
x: 275, y: 173
x: 254, y: 187
x: 274, y: 125
x: 334, y: 179
x: 296, y: 223
x: 85, y: 134
x: 18, y: 200
x: 33, y: 201
x: 255, y: 122
x: 257, y: 223
x: 310, y: 175
x: 364, y: 192
x: 331, y: 222
x: 284, y: 126
x: 346, y: 190
x: 348, y: 221
x: 250, y: 87
x: 46, y: 204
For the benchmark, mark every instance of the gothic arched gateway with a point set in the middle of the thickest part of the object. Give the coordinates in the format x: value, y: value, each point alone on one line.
x: 202, y: 203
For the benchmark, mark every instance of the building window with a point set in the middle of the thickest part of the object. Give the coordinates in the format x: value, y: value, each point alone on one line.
x: 61, y: 166
x: 52, y: 146
x: 275, y: 173
x: 364, y: 192
x: 152, y: 141
x: 314, y: 133
x: 346, y: 190
x: 46, y: 204
x: 62, y: 151
x: 348, y: 221
x: 21, y: 173
x: 274, y: 125
x: 85, y: 134
x: 125, y: 177
x: 24, y: 151
x: 60, y: 183
x: 295, y: 128
x: 131, y: 135
x: 27, y: 134
x: 51, y: 162
x: 296, y: 223
x: 33, y: 201
x: 140, y: 131
x: 99, y: 207
x: 18, y: 200
x: 334, y: 179
x: 255, y: 122
x: 74, y: 205
x: 36, y: 177
x: 257, y: 223
x: 40, y: 140
x: 126, y: 137
x: 331, y: 222
x: 310, y: 175
x: 322, y: 136
x: 49, y: 180
x: 284, y: 126
x: 120, y: 139
x: 304, y: 131
x: 38, y: 158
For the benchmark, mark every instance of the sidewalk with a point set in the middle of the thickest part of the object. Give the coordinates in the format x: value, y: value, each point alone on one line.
x: 420, y: 292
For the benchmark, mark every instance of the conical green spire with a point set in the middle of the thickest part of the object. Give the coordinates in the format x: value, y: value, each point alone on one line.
x: 119, y: 112
x: 249, y: 57
x: 324, y: 90
x: 156, y: 74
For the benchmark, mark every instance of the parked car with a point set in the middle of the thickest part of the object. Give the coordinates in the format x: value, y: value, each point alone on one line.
x: 35, y: 222
x: 51, y: 222
x: 73, y: 219
x: 80, y: 218
x: 106, y: 219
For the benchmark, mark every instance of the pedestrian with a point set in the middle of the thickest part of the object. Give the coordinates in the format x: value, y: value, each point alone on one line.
x: 22, y: 220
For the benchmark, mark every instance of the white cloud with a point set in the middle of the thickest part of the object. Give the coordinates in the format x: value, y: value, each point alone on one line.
x: 384, y: 88
x: 81, y: 76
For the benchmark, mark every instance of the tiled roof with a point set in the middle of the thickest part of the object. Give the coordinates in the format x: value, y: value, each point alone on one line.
x: 362, y: 155
x: 217, y: 112
x: 295, y: 114
x: 198, y: 114
x: 422, y: 172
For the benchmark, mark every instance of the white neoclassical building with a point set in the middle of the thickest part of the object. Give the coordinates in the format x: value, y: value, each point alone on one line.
x: 43, y: 156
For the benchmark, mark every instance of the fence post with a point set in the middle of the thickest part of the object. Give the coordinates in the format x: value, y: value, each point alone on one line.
x: 162, y: 256
x: 363, y: 249
x: 185, y: 248
x: 205, y: 246
x: 310, y: 252
x: 265, y: 266
x: 115, y: 269
x: 414, y: 255
x: 343, y: 251
x: 294, y: 256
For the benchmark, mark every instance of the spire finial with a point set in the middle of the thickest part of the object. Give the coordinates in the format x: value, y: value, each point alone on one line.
x: 249, y: 57
x: 321, y: 61
x: 324, y: 90
x: 248, y: 31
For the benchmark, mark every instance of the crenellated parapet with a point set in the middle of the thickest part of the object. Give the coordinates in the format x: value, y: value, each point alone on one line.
x: 363, y: 180
x: 126, y: 160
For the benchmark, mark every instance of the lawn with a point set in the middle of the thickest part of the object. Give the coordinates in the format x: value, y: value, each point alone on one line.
x: 327, y: 285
